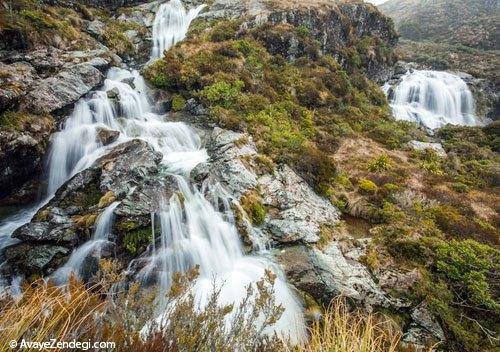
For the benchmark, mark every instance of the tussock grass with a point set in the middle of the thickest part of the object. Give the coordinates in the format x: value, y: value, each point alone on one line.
x: 89, y: 313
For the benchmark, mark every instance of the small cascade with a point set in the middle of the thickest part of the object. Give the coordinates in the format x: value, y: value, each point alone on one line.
x: 171, y: 25
x: 76, y: 262
x: 198, y: 228
x: 432, y: 99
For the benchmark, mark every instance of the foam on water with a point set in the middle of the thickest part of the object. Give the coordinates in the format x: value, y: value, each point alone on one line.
x: 171, y: 25
x: 195, y: 230
x: 433, y: 99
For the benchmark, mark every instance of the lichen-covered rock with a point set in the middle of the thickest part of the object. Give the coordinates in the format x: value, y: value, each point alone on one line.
x: 295, y: 212
x: 335, y: 26
x: 15, y: 79
x: 22, y: 149
x: 63, y: 89
x: 128, y: 174
x: 326, y: 274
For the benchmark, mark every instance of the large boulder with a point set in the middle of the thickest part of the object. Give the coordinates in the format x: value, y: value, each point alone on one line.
x: 294, y: 212
x: 63, y: 89
x: 22, y: 149
x: 128, y: 174
x: 335, y: 26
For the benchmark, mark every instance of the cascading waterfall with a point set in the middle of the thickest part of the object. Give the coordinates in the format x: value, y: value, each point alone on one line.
x: 433, y: 99
x: 171, y: 25
x: 75, y: 263
x: 193, y: 229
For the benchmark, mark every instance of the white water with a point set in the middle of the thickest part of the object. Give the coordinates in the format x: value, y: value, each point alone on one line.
x: 171, y: 25
x: 75, y: 263
x: 433, y: 99
x: 193, y: 231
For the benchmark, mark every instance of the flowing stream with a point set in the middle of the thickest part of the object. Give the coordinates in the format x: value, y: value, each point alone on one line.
x: 193, y: 229
x: 432, y: 99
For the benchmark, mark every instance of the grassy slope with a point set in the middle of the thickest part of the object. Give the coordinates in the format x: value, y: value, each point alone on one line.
x: 332, y: 125
x: 473, y: 23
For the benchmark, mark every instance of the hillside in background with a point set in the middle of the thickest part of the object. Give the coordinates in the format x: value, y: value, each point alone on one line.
x: 468, y: 23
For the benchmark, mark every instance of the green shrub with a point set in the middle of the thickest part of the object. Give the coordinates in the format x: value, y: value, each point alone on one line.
x: 252, y: 204
x: 460, y: 187
x: 367, y: 186
x: 223, y: 93
x: 381, y: 163
x: 224, y: 30
x: 136, y: 239
x: 178, y: 102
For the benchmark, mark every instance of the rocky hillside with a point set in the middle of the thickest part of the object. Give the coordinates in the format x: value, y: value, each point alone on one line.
x: 285, y: 98
x: 473, y: 23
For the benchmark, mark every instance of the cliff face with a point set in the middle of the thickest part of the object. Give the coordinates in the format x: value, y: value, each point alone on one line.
x: 356, y: 34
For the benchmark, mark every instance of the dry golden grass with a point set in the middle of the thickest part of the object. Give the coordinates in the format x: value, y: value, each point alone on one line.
x: 83, y: 313
x: 47, y: 311
x: 343, y: 331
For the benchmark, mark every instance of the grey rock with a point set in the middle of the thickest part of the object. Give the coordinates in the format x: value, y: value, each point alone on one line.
x: 425, y: 319
x: 129, y: 171
x: 436, y: 147
x: 33, y: 259
x: 15, y: 80
x: 329, y: 24
x: 63, y: 89
x: 129, y: 81
x: 94, y: 28
x: 113, y: 93
x: 326, y: 274
x: 106, y: 136
x: 200, y: 172
x: 21, y: 154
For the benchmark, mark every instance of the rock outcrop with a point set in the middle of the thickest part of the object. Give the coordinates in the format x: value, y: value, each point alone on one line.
x: 128, y: 174
x: 21, y: 154
x: 336, y: 26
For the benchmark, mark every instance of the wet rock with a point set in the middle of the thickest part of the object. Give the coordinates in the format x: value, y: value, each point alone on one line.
x: 129, y: 81
x: 200, y: 172
x: 106, y: 136
x: 22, y: 152
x: 129, y: 172
x: 34, y: 259
x: 436, y: 147
x: 63, y: 89
x: 113, y: 93
x: 15, y: 80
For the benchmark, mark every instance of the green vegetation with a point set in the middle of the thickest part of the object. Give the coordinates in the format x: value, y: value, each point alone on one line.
x: 381, y: 163
x: 252, y: 205
x: 367, y: 186
x: 178, y: 103
x: 20, y: 121
x: 297, y: 113
x: 332, y: 125
x: 136, y: 239
x: 115, y: 38
x: 38, y: 23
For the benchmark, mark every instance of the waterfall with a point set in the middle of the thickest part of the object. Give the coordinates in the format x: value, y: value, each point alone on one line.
x: 76, y: 262
x: 171, y: 25
x: 197, y: 226
x: 432, y: 99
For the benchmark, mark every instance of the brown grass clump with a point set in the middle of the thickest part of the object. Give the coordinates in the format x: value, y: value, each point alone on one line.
x: 343, y: 331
